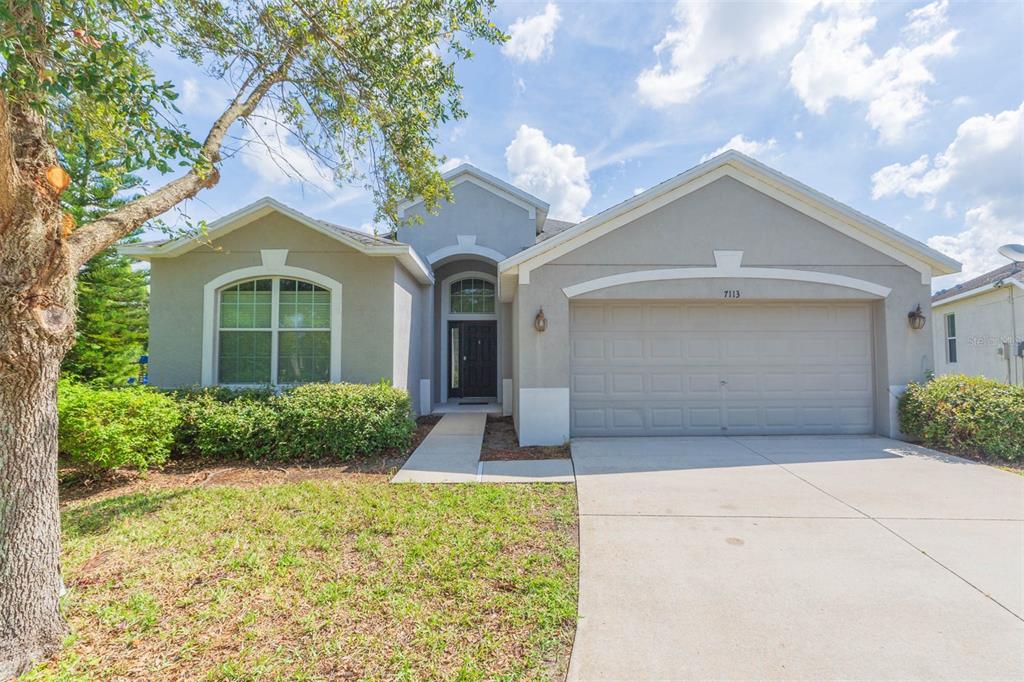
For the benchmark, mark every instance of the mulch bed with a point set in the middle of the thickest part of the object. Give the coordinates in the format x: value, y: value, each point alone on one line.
x: 195, y: 471
x: 501, y: 443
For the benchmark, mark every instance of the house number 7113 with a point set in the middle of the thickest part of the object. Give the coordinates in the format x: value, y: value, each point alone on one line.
x: 731, y: 293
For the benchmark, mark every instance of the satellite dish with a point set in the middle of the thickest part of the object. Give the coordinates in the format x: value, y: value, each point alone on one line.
x: 1014, y: 252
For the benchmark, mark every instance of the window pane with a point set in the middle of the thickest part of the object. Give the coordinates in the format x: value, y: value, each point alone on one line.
x: 246, y: 305
x: 302, y: 305
x: 951, y: 350
x: 472, y: 296
x: 244, y: 358
x: 303, y: 356
x: 950, y: 325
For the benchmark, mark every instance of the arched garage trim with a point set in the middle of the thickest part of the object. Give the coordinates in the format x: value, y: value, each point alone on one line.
x: 727, y: 266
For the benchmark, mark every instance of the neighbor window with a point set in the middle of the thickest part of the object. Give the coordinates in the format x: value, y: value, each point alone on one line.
x: 950, y: 338
x: 472, y: 296
x: 274, y: 331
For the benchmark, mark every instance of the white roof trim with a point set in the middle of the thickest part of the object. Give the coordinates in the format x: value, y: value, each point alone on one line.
x: 977, y: 291
x: 265, y: 206
x: 466, y: 172
x: 758, y: 176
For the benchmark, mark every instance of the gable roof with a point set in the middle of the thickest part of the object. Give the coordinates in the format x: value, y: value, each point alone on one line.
x: 1011, y: 272
x: 768, y: 181
x: 466, y: 172
x: 369, y: 244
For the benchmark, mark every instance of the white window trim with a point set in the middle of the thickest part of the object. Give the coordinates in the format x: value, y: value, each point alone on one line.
x: 210, y: 306
x: 447, y: 315
x: 948, y: 338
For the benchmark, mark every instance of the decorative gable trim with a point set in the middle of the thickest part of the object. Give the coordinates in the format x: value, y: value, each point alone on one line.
x: 728, y: 264
x: 404, y: 253
x: 536, y: 208
x: 769, y: 182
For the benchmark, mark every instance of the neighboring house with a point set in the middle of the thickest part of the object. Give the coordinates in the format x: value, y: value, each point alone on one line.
x: 730, y: 299
x: 979, y: 326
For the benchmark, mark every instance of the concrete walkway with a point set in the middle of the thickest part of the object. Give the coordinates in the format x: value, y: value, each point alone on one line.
x: 451, y: 454
x: 796, y: 558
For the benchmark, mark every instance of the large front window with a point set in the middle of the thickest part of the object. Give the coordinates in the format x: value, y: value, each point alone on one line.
x: 274, y: 330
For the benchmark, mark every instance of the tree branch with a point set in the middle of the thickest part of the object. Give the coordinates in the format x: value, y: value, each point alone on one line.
x: 90, y: 239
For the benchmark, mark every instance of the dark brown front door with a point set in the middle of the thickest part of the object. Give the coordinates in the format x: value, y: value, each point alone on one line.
x: 473, y: 359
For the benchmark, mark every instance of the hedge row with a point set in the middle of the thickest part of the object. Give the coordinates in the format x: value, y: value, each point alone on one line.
x: 965, y: 414
x: 139, y: 427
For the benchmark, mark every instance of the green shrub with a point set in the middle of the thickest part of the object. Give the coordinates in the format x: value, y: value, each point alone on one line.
x: 101, y: 429
x: 342, y: 420
x: 242, y: 427
x: 224, y: 394
x: 965, y: 414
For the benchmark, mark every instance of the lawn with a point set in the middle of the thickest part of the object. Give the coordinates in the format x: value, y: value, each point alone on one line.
x: 351, y: 578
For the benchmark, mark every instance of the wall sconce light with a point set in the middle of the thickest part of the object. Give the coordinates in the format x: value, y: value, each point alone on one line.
x: 540, y: 323
x: 916, y: 318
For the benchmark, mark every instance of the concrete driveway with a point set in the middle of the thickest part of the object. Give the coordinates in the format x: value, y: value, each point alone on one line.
x: 796, y: 558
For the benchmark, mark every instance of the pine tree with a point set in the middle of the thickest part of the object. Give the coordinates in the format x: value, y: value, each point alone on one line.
x: 113, y: 298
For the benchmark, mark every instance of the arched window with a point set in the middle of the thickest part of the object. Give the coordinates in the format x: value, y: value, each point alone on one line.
x: 273, y: 330
x: 471, y: 296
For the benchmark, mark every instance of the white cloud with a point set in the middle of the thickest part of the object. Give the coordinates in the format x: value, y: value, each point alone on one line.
x: 985, y: 230
x: 799, y: 134
x: 639, y: 190
x: 189, y: 93
x: 710, y: 35
x: 982, y: 167
x: 837, y: 63
x: 531, y: 38
x: 453, y: 162
x: 554, y: 172
x: 983, y: 161
x: 744, y: 146
x: 277, y: 157
x: 520, y: 86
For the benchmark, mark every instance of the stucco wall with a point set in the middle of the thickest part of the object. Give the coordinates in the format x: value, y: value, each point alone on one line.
x: 408, y: 336
x: 176, y: 299
x: 983, y: 323
x: 497, y: 223
x: 725, y: 215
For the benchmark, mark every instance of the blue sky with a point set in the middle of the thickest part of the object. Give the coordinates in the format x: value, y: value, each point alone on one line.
x: 910, y: 112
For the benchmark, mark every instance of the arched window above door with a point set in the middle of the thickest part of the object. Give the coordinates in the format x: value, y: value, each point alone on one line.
x: 471, y: 296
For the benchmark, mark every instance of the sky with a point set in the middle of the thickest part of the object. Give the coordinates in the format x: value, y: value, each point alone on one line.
x: 912, y: 113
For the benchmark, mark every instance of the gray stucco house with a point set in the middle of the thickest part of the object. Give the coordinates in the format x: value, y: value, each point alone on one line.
x: 729, y: 299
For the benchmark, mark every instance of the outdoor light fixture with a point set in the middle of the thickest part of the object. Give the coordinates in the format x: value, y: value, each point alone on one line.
x: 916, y: 318
x: 540, y: 323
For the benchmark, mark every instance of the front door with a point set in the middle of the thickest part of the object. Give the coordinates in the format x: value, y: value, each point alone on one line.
x: 473, y: 359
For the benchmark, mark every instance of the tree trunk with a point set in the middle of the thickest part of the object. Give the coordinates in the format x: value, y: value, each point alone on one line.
x: 31, y: 626
x: 37, y: 304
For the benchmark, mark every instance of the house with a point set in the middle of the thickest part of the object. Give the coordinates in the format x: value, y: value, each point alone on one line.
x: 729, y: 299
x: 979, y: 326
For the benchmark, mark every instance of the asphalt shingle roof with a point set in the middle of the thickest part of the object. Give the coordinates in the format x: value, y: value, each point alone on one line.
x: 553, y: 227
x: 1008, y: 271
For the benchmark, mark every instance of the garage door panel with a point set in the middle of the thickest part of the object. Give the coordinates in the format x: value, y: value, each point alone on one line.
x: 672, y: 368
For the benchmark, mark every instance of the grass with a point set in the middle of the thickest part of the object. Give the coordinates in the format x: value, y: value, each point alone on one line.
x: 323, y: 579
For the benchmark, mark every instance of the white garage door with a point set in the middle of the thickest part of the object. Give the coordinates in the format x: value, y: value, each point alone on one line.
x: 700, y: 368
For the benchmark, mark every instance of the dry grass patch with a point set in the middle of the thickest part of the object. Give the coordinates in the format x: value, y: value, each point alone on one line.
x: 324, y: 579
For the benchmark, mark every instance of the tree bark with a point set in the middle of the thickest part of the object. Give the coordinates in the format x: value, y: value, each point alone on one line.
x: 37, y: 306
x: 31, y: 625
